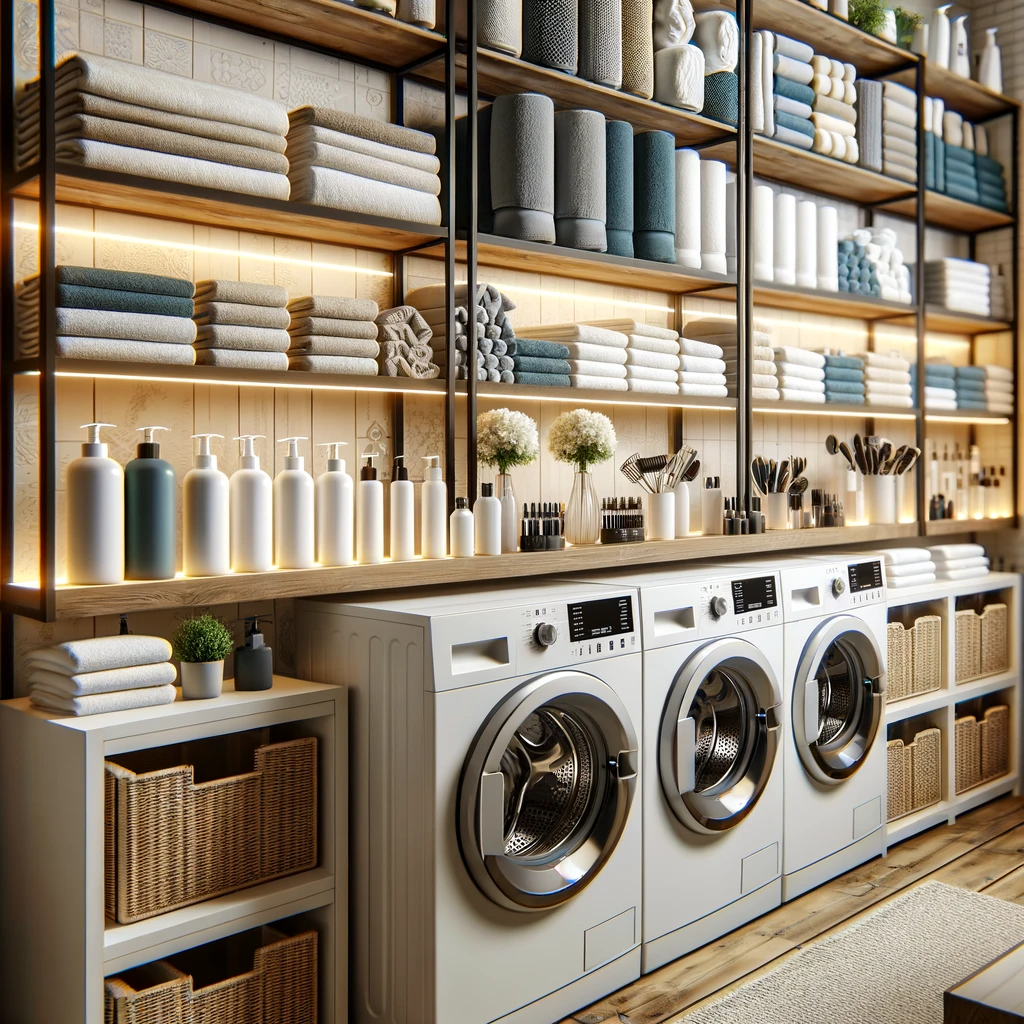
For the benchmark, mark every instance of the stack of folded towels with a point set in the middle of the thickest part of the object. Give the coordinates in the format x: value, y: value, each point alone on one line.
x: 991, y: 180
x: 801, y: 374
x: 939, y: 385
x: 241, y: 324
x: 985, y: 389
x: 405, y: 349
x: 899, y: 131
x: 887, y: 380
x: 596, y: 356
x: 333, y: 335
x: 957, y: 172
x: 709, y: 347
x: 960, y: 285
x: 959, y: 561
x: 652, y: 356
x: 541, y: 363
x: 107, y: 673
x: 872, y: 264
x: 493, y: 329
x: 934, y: 155
x: 999, y: 294
x: 114, y: 315
x: 349, y: 162
x: 834, y: 112
x: 908, y: 567
x: 792, y: 92
x: 844, y: 378
x: 115, y: 116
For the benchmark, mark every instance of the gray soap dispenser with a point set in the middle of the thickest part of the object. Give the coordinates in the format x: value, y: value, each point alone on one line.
x: 254, y: 662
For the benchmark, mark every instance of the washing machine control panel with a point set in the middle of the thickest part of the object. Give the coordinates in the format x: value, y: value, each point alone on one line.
x: 736, y: 605
x: 578, y: 631
x: 854, y: 584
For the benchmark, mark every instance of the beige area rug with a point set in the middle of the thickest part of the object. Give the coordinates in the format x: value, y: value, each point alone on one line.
x: 891, y: 966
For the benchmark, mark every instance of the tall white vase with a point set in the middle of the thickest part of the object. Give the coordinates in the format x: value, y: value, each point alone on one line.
x: 938, y: 37
x: 990, y: 74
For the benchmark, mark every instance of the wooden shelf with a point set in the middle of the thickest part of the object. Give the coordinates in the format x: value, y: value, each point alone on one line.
x: 944, y: 211
x: 966, y: 417
x: 877, y: 412
x: 947, y: 527
x: 128, y: 193
x: 805, y: 300
x: 949, y: 321
x: 968, y: 98
x: 596, y: 396
x: 213, y: 590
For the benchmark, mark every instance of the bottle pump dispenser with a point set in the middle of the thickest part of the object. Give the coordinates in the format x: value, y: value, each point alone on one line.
x: 252, y: 512
x: 95, y: 514
x: 205, y: 519
x: 150, y: 507
x: 254, y: 661
x: 293, y: 511
x: 434, y: 511
x: 369, y: 515
x: 403, y: 513
x: 334, y: 500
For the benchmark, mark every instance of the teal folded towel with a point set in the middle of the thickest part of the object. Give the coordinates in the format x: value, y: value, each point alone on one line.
x: 841, y: 373
x: 533, y: 347
x: 722, y: 97
x: 794, y: 90
x: 843, y: 396
x: 959, y: 155
x: 846, y: 387
x: 116, y: 301
x: 940, y: 382
x: 843, y: 363
x: 548, y: 380
x: 955, y: 191
x: 971, y: 373
x: 968, y: 403
x: 937, y: 369
x: 125, y: 281
x: 539, y: 364
x: 963, y: 179
x: 802, y: 125
x: 992, y: 202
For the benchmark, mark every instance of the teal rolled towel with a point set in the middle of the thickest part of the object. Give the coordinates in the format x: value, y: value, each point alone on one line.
x: 543, y: 349
x: 125, y: 281
x: 794, y: 90
x: 843, y: 363
x: 654, y: 196
x: 722, y: 97
x: 619, y: 187
x: 802, y: 125
x: 539, y: 364
x: 117, y: 301
x: 547, y: 380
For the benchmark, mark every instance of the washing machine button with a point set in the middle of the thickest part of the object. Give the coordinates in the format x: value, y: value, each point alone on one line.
x: 545, y: 634
x: 838, y: 587
x: 717, y: 607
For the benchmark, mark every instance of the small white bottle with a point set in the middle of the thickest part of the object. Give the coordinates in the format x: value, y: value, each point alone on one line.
x: 463, y: 543
x: 252, y: 512
x: 487, y: 522
x: 95, y: 514
x: 682, y: 491
x: 205, y: 516
x: 403, y: 513
x: 712, y: 507
x: 369, y: 515
x: 433, y: 511
x: 294, y: 529
x: 334, y: 500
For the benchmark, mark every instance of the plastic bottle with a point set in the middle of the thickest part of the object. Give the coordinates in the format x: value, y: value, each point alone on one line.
x: 682, y: 490
x: 487, y: 522
x: 254, y: 661
x: 433, y: 511
x: 95, y: 514
x: 205, y: 517
x: 403, y: 513
x: 294, y: 530
x: 711, y: 507
x: 150, y: 506
x: 252, y: 512
x: 462, y: 530
x: 334, y: 497
x: 959, y: 54
x: 369, y: 515
x: 938, y: 37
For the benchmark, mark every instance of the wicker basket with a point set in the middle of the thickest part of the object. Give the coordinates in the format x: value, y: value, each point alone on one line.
x: 982, y: 748
x: 899, y: 783
x: 982, y: 642
x: 897, y: 665
x: 915, y: 773
x: 968, y: 645
x: 914, y: 663
x: 171, y: 841
x: 280, y: 988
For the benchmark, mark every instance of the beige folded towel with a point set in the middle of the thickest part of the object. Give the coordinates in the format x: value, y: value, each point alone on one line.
x: 241, y: 314
x: 339, y: 190
x: 247, y: 339
x: 249, y: 292
x: 364, y: 128
x: 582, y: 333
x: 305, y: 135
x: 315, y: 345
x: 317, y: 154
x: 627, y: 326
x: 124, y: 350
x: 334, y: 364
x: 241, y: 360
x: 334, y: 307
x: 329, y: 327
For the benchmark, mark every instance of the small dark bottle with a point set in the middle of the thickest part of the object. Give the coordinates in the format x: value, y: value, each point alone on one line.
x: 254, y: 663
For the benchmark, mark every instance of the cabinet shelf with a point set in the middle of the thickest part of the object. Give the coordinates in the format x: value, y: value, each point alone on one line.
x: 949, y: 321
x: 945, y: 527
x: 807, y: 300
x: 877, y: 412
x: 968, y: 98
x: 942, y: 211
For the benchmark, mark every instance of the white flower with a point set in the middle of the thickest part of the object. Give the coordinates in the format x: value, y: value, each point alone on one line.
x: 506, y: 439
x: 582, y: 437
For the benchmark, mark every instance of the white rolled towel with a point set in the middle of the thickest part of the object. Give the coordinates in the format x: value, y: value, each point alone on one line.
x: 785, y: 239
x: 688, y: 208
x: 764, y: 233
x: 828, y: 248
x: 807, y: 244
x: 713, y: 216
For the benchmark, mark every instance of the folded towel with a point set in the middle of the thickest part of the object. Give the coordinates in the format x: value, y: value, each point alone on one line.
x: 640, y: 343
x: 634, y: 327
x: 241, y: 314
x: 580, y: 333
x: 890, y: 401
x: 838, y: 373
x: 110, y: 299
x: 540, y: 364
x: 828, y: 123
x: 843, y: 397
x: 332, y: 307
x: 544, y: 349
x: 597, y: 383
x: 315, y: 345
x: 801, y: 356
x: 550, y: 380
x: 800, y: 125
x: 317, y: 154
x: 689, y: 377
x: 340, y: 190
x: 361, y: 127
x: 103, y: 323
x: 900, y: 94
x: 847, y: 387
x: 898, y: 114
x: 962, y: 574
x: 790, y: 395
x: 879, y: 360
x: 784, y: 105
x: 701, y: 349
x: 951, y: 552
x: 794, y: 49
x: 896, y: 571
x: 906, y: 582
x: 597, y: 353
x: 102, y: 703
x: 894, y: 130
x: 765, y: 394
x: 904, y: 556
x: 813, y: 373
x: 124, y: 350
x: 876, y: 374
x: 801, y: 384
x: 703, y: 390
x: 250, y: 339
x: 302, y: 137
x: 123, y: 281
x: 834, y: 108
x: 240, y: 359
x: 659, y: 360
x: 587, y: 368
x: 333, y: 364
x: 98, y: 654
x: 83, y: 684
x: 967, y: 562
x: 934, y: 369
x: 877, y: 387
x: 329, y: 327
x: 700, y: 364
x: 248, y: 292
x: 652, y: 373
x: 940, y: 384
x: 656, y: 387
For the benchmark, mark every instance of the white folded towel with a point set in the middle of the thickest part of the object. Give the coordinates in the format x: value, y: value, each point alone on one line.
x: 904, y: 556
x: 597, y: 353
x: 689, y: 377
x: 951, y: 552
x: 802, y: 356
x: 890, y: 401
x: 904, y: 582
x: 801, y: 384
x: 963, y: 574
x: 583, y: 333
x: 799, y: 370
x: 878, y: 373
x: 628, y: 326
x: 876, y: 387
x: 908, y: 569
x: 659, y: 360
x: 765, y: 394
x: 593, y: 368
x: 789, y: 395
x: 653, y: 373
x: 653, y: 387
x: 698, y: 364
x: 963, y: 563
x: 102, y: 703
x: 85, y: 684
x: 703, y: 390
x: 884, y: 361
x: 100, y: 653
x: 646, y: 344
x: 583, y: 380
x: 703, y: 349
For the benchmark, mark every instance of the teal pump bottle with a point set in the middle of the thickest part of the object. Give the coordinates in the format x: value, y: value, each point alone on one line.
x: 150, y: 496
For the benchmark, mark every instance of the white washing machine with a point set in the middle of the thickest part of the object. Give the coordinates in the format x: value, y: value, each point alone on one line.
x: 712, y: 767
x: 495, y: 818
x: 835, y: 755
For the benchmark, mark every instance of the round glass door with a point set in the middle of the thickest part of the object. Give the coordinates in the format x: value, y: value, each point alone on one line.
x: 719, y: 735
x: 838, y: 699
x: 546, y: 790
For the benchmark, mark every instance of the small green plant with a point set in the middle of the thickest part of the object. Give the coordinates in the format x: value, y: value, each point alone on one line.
x: 907, y: 23
x: 868, y: 15
x: 203, y: 638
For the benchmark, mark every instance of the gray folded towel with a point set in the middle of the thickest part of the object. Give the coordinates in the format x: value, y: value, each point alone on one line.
x: 240, y: 359
x: 364, y: 128
x: 339, y: 190
x: 580, y: 200
x: 333, y: 364
x: 246, y: 339
x: 317, y: 154
x: 320, y: 346
x: 241, y: 314
x: 124, y: 350
x: 332, y: 306
x: 307, y: 134
x: 330, y: 327
x: 101, y: 323
x: 249, y: 292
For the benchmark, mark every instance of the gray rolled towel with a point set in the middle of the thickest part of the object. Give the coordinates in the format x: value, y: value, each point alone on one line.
x: 580, y: 200
x: 242, y: 314
x: 249, y: 339
x: 550, y: 32
x: 600, y: 42
x: 249, y: 292
x: 500, y: 25
x: 333, y: 306
x: 523, y: 166
x: 619, y: 187
x: 314, y: 345
x: 638, y: 47
x: 330, y: 327
x: 399, y: 322
x: 363, y: 128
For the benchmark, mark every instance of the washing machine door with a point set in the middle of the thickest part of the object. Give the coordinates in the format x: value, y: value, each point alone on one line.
x: 546, y: 790
x: 719, y: 735
x: 838, y: 699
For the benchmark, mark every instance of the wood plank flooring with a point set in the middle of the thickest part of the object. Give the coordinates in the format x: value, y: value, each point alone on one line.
x: 983, y: 851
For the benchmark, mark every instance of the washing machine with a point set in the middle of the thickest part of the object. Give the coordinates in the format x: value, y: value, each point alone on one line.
x: 834, y: 607
x: 712, y: 764
x: 496, y: 845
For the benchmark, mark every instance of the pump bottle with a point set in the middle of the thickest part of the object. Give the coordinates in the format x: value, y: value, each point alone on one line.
x: 293, y: 511
x: 462, y: 529
x: 150, y: 505
x: 334, y: 510
x: 403, y: 513
x: 254, y: 661
x: 487, y: 522
x: 434, y: 511
x: 95, y: 514
x: 205, y: 519
x: 252, y: 512
x: 369, y: 515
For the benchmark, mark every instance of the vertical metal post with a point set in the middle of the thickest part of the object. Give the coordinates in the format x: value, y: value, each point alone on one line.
x: 449, y: 253
x: 1015, y: 292
x: 397, y: 297
x: 744, y: 247
x: 471, y: 268
x: 922, y: 500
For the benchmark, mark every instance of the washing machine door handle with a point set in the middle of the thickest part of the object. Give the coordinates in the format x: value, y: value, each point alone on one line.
x: 812, y: 727
x: 492, y: 814
x: 686, y: 752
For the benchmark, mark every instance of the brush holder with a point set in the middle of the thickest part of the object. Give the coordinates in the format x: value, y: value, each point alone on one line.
x: 880, y: 499
x: 776, y: 511
x: 661, y: 516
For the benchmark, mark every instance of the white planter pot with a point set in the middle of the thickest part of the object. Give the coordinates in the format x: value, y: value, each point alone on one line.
x: 201, y: 680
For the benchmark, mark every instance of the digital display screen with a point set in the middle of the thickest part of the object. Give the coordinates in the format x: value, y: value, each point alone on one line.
x: 865, y: 576
x: 592, y: 620
x: 754, y: 594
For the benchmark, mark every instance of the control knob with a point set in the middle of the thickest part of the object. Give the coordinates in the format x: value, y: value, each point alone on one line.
x: 718, y: 607
x: 838, y: 586
x: 545, y: 634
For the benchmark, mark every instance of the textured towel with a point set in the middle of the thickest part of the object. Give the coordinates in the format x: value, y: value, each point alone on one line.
x: 904, y: 556
x: 332, y: 327
x: 333, y: 307
x: 123, y: 281
x: 766, y: 394
x: 240, y: 359
x: 689, y: 377
x: 579, y: 367
x: 784, y: 105
x: 124, y: 350
x: 364, y: 128
x: 540, y: 364
x: 792, y: 138
x: 600, y: 42
x: 548, y: 380
x: 248, y: 292
x: 794, y: 49
x: 868, y: 111
x: 703, y: 349
x: 721, y: 96
x: 84, y: 684
x: 102, y: 703
x: 98, y: 654
x: 644, y: 344
x: 339, y: 190
x: 847, y: 397
x: 102, y: 323
x: 846, y: 387
x: 801, y: 356
x: 876, y: 374
x: 580, y: 182
x: 241, y: 315
x: 702, y: 390
x: 317, y: 154
x: 550, y: 33
x: 698, y: 364
x: 908, y: 569
x: 638, y: 48
x: 654, y: 196
x: 800, y: 384
x: 790, y: 369
x: 659, y: 360
x: 794, y: 90
x: 767, y: 75
x: 898, y: 114
x: 795, y: 124
x: 688, y: 209
x: 597, y: 383
x: 792, y: 395
x: 653, y: 373
x: 654, y: 387
x: 963, y: 560
x: 976, y: 572
x: 405, y: 344
x: 837, y: 109
x: 597, y: 353
x: 795, y: 70
x: 585, y: 333
x: 835, y: 125
x: 876, y: 388
x: 302, y: 137
x: 903, y: 132
x: 533, y: 347
x: 841, y: 362
x: 319, y: 346
x: 333, y: 364
x: 250, y: 339
x: 619, y: 187
x: 838, y: 373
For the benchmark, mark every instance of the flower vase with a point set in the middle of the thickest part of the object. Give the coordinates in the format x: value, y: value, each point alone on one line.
x: 582, y: 514
x: 509, y: 512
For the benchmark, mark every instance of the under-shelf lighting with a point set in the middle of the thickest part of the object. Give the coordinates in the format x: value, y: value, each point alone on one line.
x: 993, y: 421
x: 861, y: 413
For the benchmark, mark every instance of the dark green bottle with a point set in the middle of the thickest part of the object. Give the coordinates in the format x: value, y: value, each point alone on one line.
x: 150, y: 496
x: 254, y: 662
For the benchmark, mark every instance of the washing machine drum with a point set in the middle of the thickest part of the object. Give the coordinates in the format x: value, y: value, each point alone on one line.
x: 546, y: 790
x: 719, y: 735
x: 838, y: 699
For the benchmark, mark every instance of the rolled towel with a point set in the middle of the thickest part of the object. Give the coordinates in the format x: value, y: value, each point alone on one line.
x: 241, y: 360
x: 84, y: 684
x: 124, y: 351
x: 248, y: 293
x: 638, y: 48
x: 241, y: 315
x: 801, y: 92
x: 721, y: 97
x: 713, y: 241
x: 688, y: 208
x: 329, y: 327
x: 835, y: 125
x: 250, y: 339
x: 653, y: 373
x: 697, y: 364
x: 550, y: 34
x: 794, y: 70
x: 100, y: 654
x: 800, y: 356
x: 659, y: 360
x: 597, y: 383
x: 825, y: 105
x: 333, y: 307
x: 619, y: 187
x: 318, y: 346
x: 794, y: 49
x: 654, y: 200
x: 600, y: 42
x: 104, y: 703
x: 579, y: 367
x: 784, y: 233
x: 580, y: 182
x: 333, y: 364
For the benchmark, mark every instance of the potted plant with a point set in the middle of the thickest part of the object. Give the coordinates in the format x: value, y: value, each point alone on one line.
x: 201, y: 644
x: 505, y: 439
x: 582, y: 438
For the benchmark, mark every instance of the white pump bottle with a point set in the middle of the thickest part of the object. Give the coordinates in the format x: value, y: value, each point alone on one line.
x: 433, y: 511
x: 369, y: 515
x: 95, y: 514
x: 252, y: 512
x: 205, y: 519
x: 403, y: 513
x: 334, y: 497
x: 294, y: 529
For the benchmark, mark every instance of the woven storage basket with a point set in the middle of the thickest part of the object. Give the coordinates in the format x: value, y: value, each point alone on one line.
x: 967, y: 753
x: 172, y: 842
x: 968, y: 645
x: 897, y: 663
x: 994, y: 741
x: 925, y: 654
x: 281, y: 987
x: 898, y: 782
x: 995, y: 649
x: 926, y: 764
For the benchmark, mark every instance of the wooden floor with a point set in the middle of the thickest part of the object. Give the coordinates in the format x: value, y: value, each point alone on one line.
x: 983, y: 851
